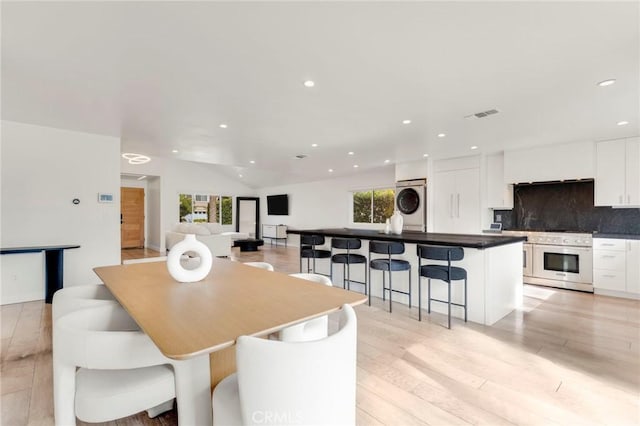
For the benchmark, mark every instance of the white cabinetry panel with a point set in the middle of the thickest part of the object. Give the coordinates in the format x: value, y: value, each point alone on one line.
x: 617, y: 181
x: 457, y: 201
x: 551, y: 162
x: 499, y: 194
x: 633, y: 266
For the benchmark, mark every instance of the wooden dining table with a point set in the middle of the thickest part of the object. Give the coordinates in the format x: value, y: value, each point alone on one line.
x: 197, y: 324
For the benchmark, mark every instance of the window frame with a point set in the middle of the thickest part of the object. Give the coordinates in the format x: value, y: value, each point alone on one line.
x: 371, y: 205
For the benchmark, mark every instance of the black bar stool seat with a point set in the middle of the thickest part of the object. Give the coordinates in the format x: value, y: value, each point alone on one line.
x: 309, y: 251
x: 388, y: 265
x: 446, y: 273
x: 347, y: 259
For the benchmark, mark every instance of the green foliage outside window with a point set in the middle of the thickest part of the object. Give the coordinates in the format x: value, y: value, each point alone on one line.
x: 186, y: 206
x: 227, y: 210
x: 373, y: 206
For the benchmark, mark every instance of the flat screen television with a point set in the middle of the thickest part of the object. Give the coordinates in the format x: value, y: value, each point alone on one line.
x: 278, y: 205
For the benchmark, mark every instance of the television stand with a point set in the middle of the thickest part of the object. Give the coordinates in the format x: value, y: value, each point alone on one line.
x: 275, y: 233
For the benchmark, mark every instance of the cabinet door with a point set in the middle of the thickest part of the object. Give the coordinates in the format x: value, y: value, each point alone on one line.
x: 610, y: 173
x: 633, y: 266
x: 444, y: 202
x: 633, y: 171
x: 499, y: 194
x: 467, y: 201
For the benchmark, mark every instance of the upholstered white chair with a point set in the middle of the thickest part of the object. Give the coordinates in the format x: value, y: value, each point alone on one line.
x: 70, y: 299
x: 104, y: 369
x: 262, y: 265
x: 310, y: 383
x: 314, y: 329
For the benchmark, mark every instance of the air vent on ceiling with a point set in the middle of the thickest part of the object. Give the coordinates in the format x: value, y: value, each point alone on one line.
x: 482, y: 114
x: 301, y: 156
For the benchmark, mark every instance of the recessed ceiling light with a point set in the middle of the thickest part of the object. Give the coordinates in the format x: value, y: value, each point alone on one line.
x: 239, y: 175
x: 607, y: 82
x: 355, y: 166
x: 142, y: 177
x: 386, y: 161
x: 474, y: 147
x: 442, y: 135
x: 330, y: 170
x: 314, y: 145
x: 406, y: 121
x: 425, y: 155
x: 175, y: 151
x: 252, y: 161
x: 309, y: 83
x: 350, y: 153
x: 223, y: 126
x: 622, y: 123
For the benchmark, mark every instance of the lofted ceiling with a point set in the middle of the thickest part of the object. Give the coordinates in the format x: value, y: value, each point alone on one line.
x: 163, y: 76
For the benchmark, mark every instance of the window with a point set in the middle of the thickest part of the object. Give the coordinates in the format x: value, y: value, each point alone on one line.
x: 373, y: 206
x: 206, y: 208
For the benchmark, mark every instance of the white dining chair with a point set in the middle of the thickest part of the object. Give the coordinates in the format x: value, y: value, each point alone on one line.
x: 105, y: 369
x: 314, y: 329
x: 310, y: 383
x: 70, y: 299
x: 262, y: 265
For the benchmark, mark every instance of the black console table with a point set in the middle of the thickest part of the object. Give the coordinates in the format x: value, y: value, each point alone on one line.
x: 54, y: 264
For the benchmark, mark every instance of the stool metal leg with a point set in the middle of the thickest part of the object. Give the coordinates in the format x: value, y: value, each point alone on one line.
x: 384, y: 284
x: 429, y: 296
x: 369, y: 285
x: 409, y: 287
x: 449, y: 303
x: 347, y: 267
x: 465, y: 300
x: 390, y: 289
x: 419, y: 298
x: 365, y: 281
x: 345, y: 282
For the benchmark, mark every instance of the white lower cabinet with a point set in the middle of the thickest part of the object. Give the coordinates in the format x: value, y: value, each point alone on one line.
x: 616, y: 266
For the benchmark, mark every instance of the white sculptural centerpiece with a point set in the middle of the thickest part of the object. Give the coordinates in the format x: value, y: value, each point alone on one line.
x: 396, y: 220
x: 179, y: 272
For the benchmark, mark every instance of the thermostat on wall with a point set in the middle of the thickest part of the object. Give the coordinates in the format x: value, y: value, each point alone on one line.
x: 105, y: 197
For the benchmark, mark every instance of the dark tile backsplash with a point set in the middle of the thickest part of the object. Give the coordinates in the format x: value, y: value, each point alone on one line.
x: 566, y: 206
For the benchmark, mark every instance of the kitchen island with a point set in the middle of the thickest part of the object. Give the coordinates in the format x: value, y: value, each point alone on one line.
x: 493, y: 264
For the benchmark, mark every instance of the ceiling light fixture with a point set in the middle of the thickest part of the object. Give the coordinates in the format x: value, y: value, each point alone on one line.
x: 142, y: 177
x: 252, y: 161
x: 386, y: 161
x: 355, y: 166
x: 309, y: 83
x: 223, y: 126
x: 425, y: 155
x: 442, y: 135
x: 474, y: 147
x: 622, y: 123
x: 314, y: 145
x: 330, y: 170
x: 175, y: 151
x: 239, y: 175
x: 608, y: 82
x: 135, y: 158
x: 406, y: 121
x: 350, y: 153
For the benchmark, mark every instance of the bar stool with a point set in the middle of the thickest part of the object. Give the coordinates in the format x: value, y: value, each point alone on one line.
x: 347, y: 259
x: 446, y: 273
x: 388, y: 264
x: 308, y: 250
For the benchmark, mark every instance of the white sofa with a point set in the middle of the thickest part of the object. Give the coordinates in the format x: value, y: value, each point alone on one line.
x: 209, y: 233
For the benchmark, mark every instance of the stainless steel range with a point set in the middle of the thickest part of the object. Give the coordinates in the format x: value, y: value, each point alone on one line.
x: 558, y: 259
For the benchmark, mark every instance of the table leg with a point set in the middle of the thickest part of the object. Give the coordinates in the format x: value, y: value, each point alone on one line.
x: 53, y: 265
x: 223, y: 363
x: 193, y: 391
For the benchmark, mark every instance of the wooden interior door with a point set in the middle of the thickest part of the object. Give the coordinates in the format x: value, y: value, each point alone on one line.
x: 132, y: 217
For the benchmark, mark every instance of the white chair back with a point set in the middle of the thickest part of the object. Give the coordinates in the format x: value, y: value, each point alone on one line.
x: 262, y: 265
x: 106, y: 338
x: 70, y: 299
x: 313, y: 383
x: 309, y: 330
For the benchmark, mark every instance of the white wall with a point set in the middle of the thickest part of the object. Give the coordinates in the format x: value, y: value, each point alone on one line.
x: 325, y: 203
x: 155, y: 236
x: 185, y: 177
x: 43, y: 170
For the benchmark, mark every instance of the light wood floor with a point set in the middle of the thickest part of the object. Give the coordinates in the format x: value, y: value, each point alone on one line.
x: 143, y: 253
x: 566, y: 358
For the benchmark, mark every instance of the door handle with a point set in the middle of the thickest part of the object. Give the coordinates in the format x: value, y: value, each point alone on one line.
x: 121, y: 220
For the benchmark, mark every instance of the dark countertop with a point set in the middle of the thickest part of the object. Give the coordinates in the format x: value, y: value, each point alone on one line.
x: 617, y: 236
x: 478, y: 241
x: 35, y: 249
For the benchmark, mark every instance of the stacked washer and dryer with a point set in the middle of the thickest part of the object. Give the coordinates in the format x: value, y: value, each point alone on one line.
x: 411, y: 202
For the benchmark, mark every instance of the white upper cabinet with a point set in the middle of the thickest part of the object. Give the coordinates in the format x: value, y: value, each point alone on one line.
x: 499, y: 194
x: 551, y: 162
x: 456, y: 196
x: 617, y: 180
